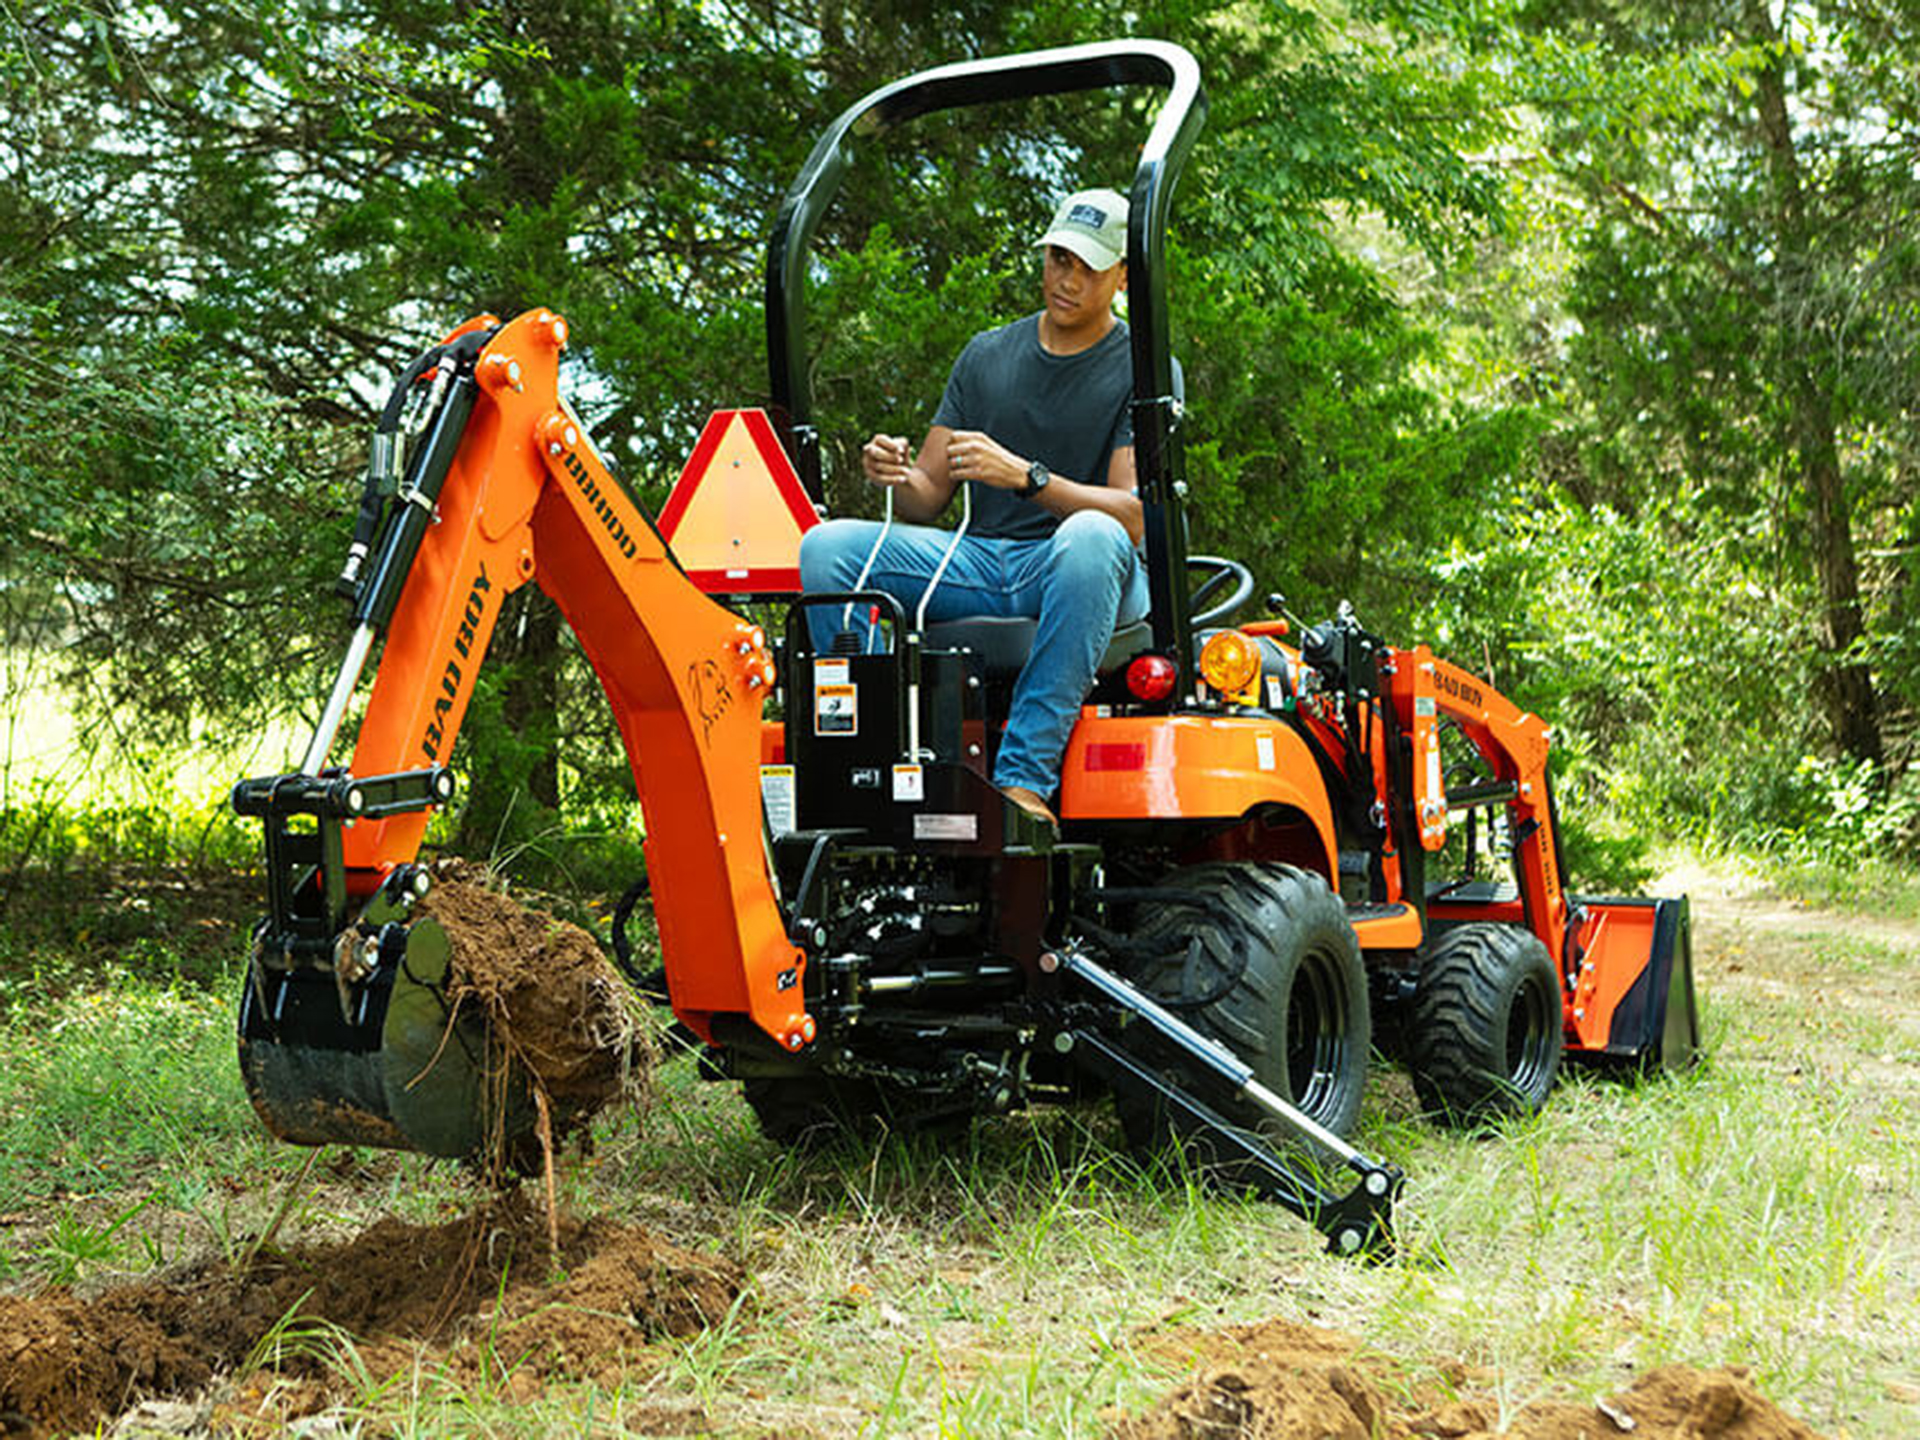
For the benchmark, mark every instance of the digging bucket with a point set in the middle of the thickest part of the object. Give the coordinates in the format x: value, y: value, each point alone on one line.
x: 1630, y: 964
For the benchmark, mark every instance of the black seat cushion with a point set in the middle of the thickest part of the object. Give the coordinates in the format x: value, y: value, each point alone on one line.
x: 1003, y: 643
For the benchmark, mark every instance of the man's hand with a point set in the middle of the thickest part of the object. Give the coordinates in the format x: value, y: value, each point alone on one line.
x: 976, y: 455
x: 886, y: 459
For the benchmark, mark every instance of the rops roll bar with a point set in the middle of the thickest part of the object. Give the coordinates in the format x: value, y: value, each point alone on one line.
x: 1158, y: 455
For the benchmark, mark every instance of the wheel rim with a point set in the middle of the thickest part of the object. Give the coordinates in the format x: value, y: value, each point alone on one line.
x: 1532, y: 1035
x: 1319, y: 1033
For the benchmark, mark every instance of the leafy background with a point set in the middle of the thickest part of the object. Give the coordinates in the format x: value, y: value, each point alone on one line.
x: 1574, y: 336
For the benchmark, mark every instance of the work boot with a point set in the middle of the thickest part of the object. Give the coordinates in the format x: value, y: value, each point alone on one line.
x: 1033, y: 804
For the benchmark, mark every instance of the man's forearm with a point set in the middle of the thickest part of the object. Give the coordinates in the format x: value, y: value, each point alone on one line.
x: 1064, y: 495
x: 918, y: 499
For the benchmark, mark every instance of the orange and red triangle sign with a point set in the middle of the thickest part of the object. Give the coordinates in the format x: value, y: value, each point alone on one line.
x: 738, y: 510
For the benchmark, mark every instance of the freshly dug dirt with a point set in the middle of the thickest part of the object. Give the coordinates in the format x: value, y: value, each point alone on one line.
x: 1280, y: 1381
x: 551, y: 997
x: 474, y: 1292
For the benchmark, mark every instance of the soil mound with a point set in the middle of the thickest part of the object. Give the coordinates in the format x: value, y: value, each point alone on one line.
x: 1280, y: 1381
x: 485, y: 1290
x: 551, y: 999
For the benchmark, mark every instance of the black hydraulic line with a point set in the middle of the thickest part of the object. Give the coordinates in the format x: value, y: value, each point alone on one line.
x: 622, y: 946
x: 397, y: 401
x: 1490, y: 792
x: 426, y: 474
x: 380, y: 475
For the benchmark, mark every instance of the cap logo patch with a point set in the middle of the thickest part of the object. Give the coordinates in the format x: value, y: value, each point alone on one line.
x: 1089, y: 215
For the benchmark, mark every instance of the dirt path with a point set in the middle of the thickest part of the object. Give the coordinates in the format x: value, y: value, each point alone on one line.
x: 1764, y: 955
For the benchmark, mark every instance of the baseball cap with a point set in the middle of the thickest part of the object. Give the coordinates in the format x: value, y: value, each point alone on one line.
x: 1093, y: 225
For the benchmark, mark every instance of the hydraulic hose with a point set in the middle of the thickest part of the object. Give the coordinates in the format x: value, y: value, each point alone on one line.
x: 382, y: 472
x: 427, y: 473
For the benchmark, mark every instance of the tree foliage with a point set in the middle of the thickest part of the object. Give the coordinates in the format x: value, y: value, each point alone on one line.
x: 1745, y: 294
x: 223, y: 227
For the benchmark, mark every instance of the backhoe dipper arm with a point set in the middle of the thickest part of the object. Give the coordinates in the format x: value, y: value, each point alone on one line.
x: 527, y: 498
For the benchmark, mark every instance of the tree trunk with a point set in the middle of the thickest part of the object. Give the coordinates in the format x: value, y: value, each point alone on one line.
x: 1845, y: 683
x: 512, y: 779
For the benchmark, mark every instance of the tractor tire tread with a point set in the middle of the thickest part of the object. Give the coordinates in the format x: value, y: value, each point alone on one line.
x: 1469, y: 983
x: 1241, y: 919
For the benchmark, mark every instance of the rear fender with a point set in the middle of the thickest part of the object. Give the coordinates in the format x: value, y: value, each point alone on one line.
x: 1185, y: 767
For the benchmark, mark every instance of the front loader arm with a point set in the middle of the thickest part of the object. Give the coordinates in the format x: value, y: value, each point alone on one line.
x: 527, y: 498
x: 1514, y: 743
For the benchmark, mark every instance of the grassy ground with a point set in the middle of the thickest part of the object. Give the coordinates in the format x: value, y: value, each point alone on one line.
x: 1756, y: 1211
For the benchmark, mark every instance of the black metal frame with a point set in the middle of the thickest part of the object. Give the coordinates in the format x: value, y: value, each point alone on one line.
x: 308, y: 906
x: 1159, y: 457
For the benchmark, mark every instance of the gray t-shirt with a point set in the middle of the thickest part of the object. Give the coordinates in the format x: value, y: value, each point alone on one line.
x: 1070, y: 412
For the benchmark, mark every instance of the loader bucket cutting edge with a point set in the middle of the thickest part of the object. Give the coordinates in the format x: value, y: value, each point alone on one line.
x: 407, y: 1072
x: 1637, y: 967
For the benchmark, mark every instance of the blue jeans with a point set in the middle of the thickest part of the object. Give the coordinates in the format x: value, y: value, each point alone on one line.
x: 1080, y: 583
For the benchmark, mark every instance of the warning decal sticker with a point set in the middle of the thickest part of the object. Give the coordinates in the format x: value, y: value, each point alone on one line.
x: 836, y: 710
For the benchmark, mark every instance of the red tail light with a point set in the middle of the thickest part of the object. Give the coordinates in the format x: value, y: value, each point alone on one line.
x: 1151, y: 677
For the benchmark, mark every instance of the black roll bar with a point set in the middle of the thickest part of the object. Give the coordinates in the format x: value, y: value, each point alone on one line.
x: 1159, y: 457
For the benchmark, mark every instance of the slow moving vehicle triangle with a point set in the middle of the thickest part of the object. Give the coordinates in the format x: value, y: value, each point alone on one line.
x: 737, y: 512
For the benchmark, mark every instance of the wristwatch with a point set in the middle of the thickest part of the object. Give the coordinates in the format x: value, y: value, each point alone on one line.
x: 1037, y: 477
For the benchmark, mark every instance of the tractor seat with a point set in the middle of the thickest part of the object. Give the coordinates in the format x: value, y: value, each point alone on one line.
x: 1004, y: 642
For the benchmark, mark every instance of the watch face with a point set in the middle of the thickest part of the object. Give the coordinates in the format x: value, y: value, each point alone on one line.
x: 1037, y: 477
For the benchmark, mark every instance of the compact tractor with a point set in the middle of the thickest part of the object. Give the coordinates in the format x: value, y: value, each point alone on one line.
x: 1243, y: 897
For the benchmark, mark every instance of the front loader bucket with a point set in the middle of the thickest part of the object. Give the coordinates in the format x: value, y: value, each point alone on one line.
x: 392, y: 1064
x: 1633, y: 995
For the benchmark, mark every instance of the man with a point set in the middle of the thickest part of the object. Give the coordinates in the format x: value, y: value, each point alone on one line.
x: 1036, y: 420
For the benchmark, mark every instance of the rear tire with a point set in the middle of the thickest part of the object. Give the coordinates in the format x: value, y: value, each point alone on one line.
x: 1261, y: 958
x: 1485, y: 1040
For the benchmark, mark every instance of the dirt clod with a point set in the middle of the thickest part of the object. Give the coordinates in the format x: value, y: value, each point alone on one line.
x: 472, y: 1294
x: 1280, y: 1381
x: 548, y: 992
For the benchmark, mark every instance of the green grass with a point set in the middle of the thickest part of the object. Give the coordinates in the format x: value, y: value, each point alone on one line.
x: 1029, y: 1279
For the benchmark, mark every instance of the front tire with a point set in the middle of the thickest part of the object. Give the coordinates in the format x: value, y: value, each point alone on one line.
x: 1261, y: 958
x: 1486, y: 1026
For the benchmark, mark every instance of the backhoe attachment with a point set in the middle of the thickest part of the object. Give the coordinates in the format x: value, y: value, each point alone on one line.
x: 353, y: 1027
